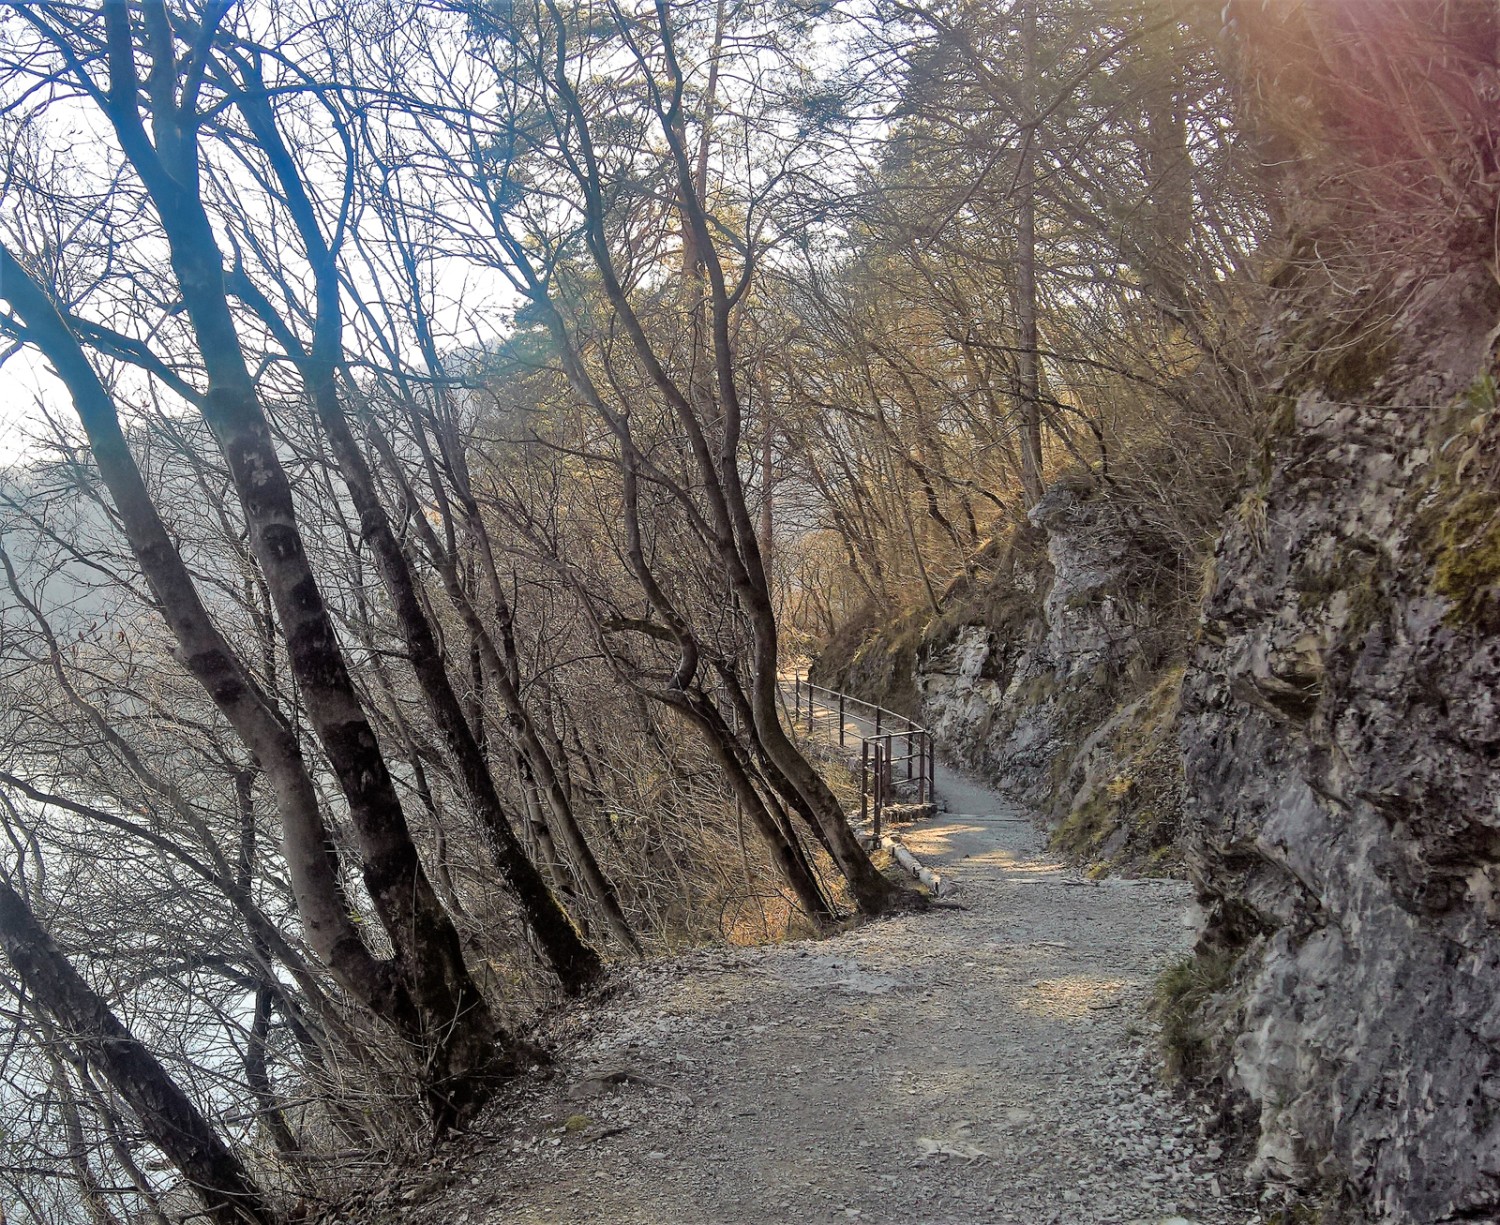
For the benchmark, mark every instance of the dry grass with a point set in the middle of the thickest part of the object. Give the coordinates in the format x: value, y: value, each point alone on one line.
x: 1381, y: 122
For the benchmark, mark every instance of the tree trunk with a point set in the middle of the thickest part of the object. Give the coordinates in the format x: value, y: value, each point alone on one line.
x: 446, y: 1017
x: 574, y: 962
x: 1027, y: 361
x: 788, y: 861
x: 872, y: 892
x: 312, y: 867
x: 168, y: 1119
x: 258, y: 1076
x: 502, y: 673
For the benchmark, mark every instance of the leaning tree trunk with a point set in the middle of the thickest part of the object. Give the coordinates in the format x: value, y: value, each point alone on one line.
x: 312, y: 868
x: 562, y: 821
x: 718, y: 469
x: 789, y: 863
x: 575, y: 963
x: 429, y: 993
x: 739, y: 553
x: 166, y: 1115
x: 873, y: 893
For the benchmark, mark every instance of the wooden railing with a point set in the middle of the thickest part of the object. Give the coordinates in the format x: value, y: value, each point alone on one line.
x: 894, y: 744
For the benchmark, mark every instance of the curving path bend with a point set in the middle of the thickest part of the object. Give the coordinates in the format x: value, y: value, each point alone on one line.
x: 985, y: 1064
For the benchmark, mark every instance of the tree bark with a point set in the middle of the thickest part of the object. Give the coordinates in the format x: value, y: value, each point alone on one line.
x: 312, y: 867
x: 789, y: 863
x: 1027, y: 361
x: 446, y: 1016
x: 167, y: 1117
x: 575, y: 963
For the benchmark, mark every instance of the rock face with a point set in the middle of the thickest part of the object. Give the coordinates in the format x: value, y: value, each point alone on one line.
x: 1341, y: 732
x: 1004, y: 699
x: 1042, y: 682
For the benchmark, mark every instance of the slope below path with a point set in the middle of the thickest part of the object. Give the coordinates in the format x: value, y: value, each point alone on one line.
x: 988, y: 1063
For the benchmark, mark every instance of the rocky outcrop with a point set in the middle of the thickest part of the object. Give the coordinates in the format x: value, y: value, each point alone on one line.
x: 1119, y: 802
x: 1066, y: 706
x: 1039, y: 678
x: 1340, y: 719
x: 1341, y: 732
x: 1006, y: 698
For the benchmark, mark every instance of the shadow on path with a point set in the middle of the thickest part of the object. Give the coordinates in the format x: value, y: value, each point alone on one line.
x: 985, y: 1063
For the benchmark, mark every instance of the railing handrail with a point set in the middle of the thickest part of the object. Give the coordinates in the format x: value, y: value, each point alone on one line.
x: 877, y: 748
x: 849, y: 697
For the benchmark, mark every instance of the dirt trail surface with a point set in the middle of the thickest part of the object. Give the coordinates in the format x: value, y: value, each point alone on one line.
x: 989, y: 1063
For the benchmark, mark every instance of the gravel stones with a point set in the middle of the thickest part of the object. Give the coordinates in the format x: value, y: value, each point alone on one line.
x: 989, y: 1063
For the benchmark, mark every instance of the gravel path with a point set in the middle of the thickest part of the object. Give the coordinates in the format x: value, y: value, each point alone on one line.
x: 989, y: 1063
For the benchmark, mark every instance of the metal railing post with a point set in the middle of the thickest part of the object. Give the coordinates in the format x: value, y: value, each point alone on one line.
x: 889, y: 776
x: 877, y: 751
x: 921, y: 740
x: 864, y: 781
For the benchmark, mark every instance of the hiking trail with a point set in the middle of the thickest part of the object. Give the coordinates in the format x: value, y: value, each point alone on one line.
x: 992, y: 1062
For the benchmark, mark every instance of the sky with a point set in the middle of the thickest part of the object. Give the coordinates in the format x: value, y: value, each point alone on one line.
x: 24, y: 379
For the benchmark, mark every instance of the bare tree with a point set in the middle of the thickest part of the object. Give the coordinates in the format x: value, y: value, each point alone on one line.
x: 169, y: 1119
x: 547, y: 55
x: 424, y: 990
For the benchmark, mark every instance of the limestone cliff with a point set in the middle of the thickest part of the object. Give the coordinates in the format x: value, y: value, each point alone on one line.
x: 1341, y: 725
x: 1341, y: 736
x: 1052, y: 677
x: 1006, y: 697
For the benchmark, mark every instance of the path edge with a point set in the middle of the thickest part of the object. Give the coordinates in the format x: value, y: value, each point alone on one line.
x: 941, y: 886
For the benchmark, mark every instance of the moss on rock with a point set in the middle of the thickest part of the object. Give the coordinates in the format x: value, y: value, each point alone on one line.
x: 1124, y: 789
x: 1467, y: 563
